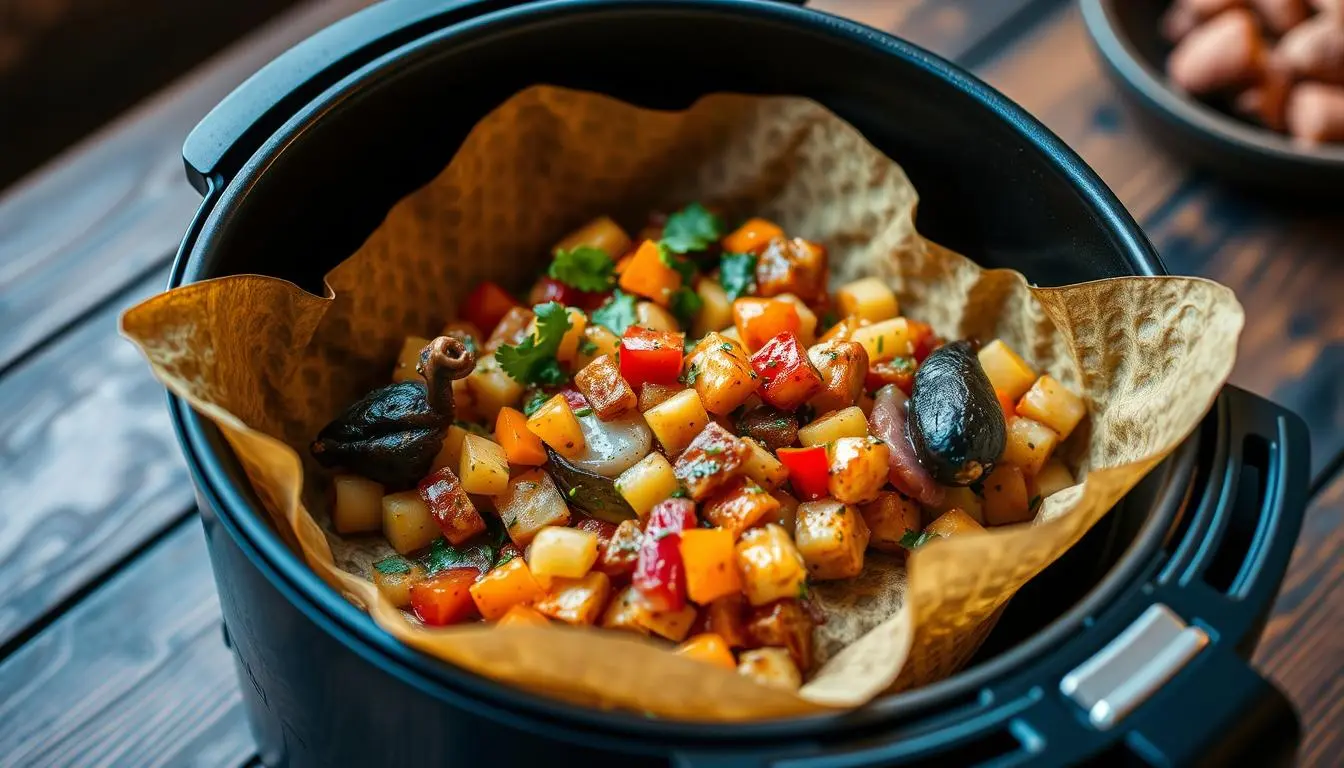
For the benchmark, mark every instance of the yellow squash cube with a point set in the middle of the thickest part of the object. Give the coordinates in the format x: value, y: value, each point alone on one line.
x: 771, y: 667
x: 1007, y: 372
x: 491, y: 388
x: 846, y: 422
x: 677, y: 420
x: 953, y: 522
x: 1052, y: 404
x: 626, y: 611
x: 599, y: 341
x: 576, y: 601
x: 359, y: 504
x: 964, y: 499
x: 1006, y: 500
x: 716, y: 311
x: 868, y: 298
x: 569, y: 343
x: 762, y: 466
x: 885, y: 340
x: 554, y: 422
x: 562, y: 552
x: 1029, y: 445
x: 721, y: 373
x: 859, y: 467
x: 889, y: 518
x: 601, y: 233
x: 407, y: 523
x: 831, y: 537
x: 655, y: 318
x: 450, y: 455
x: 673, y: 625
x: 770, y: 565
x: 647, y: 483
x: 394, y: 577
x: 483, y: 467
x: 1053, y: 478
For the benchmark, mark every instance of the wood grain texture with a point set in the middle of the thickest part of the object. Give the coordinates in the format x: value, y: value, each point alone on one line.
x: 113, y: 208
x: 1302, y: 649
x: 1281, y: 262
x: 137, y: 674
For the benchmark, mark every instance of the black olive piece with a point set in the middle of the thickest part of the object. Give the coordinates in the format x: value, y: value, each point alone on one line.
x: 392, y: 434
x: 955, y: 424
x: 770, y: 426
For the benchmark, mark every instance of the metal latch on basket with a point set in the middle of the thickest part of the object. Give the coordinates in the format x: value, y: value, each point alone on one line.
x: 1133, y: 665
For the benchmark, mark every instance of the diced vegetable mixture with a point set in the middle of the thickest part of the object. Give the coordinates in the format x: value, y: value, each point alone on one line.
x: 677, y: 434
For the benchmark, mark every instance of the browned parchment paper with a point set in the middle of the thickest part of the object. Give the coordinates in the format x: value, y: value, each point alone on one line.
x: 271, y: 364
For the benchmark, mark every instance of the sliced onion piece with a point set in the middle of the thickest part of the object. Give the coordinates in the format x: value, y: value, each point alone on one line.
x: 888, y: 422
x: 613, y: 446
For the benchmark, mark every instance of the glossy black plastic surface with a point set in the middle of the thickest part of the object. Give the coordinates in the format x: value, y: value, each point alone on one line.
x: 327, y: 686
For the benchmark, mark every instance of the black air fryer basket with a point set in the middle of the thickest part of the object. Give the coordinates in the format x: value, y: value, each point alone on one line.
x: 1129, y: 650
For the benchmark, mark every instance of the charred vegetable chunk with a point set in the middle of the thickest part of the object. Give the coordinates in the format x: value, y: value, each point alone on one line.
x: 843, y: 366
x: 392, y: 434
x: 956, y: 424
x: 770, y: 426
x: 792, y: 266
x: 588, y: 492
x: 783, y: 624
x: 448, y: 503
x: 711, y: 459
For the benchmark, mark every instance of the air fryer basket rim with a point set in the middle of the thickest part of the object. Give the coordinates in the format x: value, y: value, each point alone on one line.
x: 221, y: 481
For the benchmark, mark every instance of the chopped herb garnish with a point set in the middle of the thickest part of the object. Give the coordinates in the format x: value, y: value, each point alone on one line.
x: 916, y: 539
x: 880, y: 344
x: 393, y: 564
x: 1034, y: 503
x: 584, y: 412
x: 505, y: 557
x: 617, y: 314
x: 685, y: 304
x: 442, y: 556
x: 688, y: 378
x: 534, y: 402
x: 693, y: 228
x: 680, y: 493
x: 737, y: 274
x: 586, y: 268
x: 713, y: 450
x: 533, y: 361
x: 804, y: 590
x: 726, y: 346
x: 587, y: 346
x: 573, y: 492
x: 682, y: 266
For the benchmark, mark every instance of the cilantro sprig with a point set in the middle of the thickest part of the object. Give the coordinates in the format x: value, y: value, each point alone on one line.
x: 916, y: 539
x: 617, y: 314
x: 737, y: 274
x: 693, y: 228
x: 533, y: 361
x: 586, y: 268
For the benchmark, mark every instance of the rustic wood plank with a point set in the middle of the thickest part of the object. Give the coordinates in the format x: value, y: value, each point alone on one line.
x: 1283, y: 263
x: 112, y: 209
x: 137, y: 674
x: 1302, y: 649
x: 950, y: 28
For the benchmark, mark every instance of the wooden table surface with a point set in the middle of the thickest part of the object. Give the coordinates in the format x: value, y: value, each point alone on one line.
x: 110, y: 647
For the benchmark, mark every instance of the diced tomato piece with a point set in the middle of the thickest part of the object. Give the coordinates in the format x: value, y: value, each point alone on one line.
x: 759, y: 320
x: 649, y: 356
x: 898, y: 370
x: 444, y: 598
x: 450, y: 506
x: 672, y: 515
x: 549, y: 289
x: 1006, y: 404
x: 574, y: 398
x: 786, y: 376
x: 602, y: 529
x: 807, y: 470
x: 621, y: 552
x: 660, y: 575
x: 487, y: 304
x: 924, y: 340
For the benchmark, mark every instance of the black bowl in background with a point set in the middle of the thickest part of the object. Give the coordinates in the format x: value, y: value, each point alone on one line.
x: 1127, y: 37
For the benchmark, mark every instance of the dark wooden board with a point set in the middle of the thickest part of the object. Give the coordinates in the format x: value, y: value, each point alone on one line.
x: 137, y: 674
x: 1280, y: 262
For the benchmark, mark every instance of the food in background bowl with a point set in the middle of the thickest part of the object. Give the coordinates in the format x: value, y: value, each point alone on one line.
x: 1278, y: 63
x: 679, y: 435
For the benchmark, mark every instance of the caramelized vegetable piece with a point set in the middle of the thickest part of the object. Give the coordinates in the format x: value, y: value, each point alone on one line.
x: 505, y: 587
x: 677, y: 420
x: 1006, y: 500
x: 783, y: 624
x: 738, y: 506
x: 407, y: 523
x: 885, y: 340
x: 606, y: 391
x: 448, y: 504
x: 711, y: 459
x: 808, y: 470
x: 1007, y: 372
x: 601, y: 233
x: 622, y: 552
x: 889, y: 518
x: 647, y: 483
x: 847, y: 422
x: 1029, y: 444
x: 653, y: 395
x: 831, y: 537
x: 716, y: 310
x: 774, y: 428
x: 598, y: 340
x: 523, y: 615
x: 491, y: 388
x: 709, y: 648
x: 792, y: 266
x: 625, y: 612
x: 483, y: 468
x: 359, y: 504
x: 771, y: 667
x: 1052, y: 404
x: 787, y: 516
x: 858, y: 469
x: 562, y: 552
x: 953, y: 522
x: 486, y: 305
x: 726, y: 617
x: 721, y: 374
x: 531, y: 503
x: 759, y: 320
x: 521, y: 445
x: 516, y: 325
x: 772, y: 569
x: 898, y: 370
x: 807, y: 319
x: 671, y: 625
x: 752, y: 235
x: 1053, y: 478
x: 763, y: 467
x: 576, y: 601
x: 649, y: 276
x: 868, y: 298
x: 555, y: 424
x: 843, y: 366
x: 650, y: 356
x: 396, y: 581
x: 444, y: 598
x: 786, y: 377
x: 711, y: 564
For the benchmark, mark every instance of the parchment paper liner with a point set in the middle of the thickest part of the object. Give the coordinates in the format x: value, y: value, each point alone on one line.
x: 270, y: 364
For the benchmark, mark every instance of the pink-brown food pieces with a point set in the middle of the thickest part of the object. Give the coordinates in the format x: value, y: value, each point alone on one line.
x: 1315, y: 113
x: 1224, y: 54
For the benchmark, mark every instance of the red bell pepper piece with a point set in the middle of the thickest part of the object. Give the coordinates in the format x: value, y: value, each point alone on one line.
x: 487, y: 304
x: 924, y: 341
x: 660, y: 574
x: 898, y: 370
x: 574, y: 398
x: 671, y: 515
x: 807, y: 470
x: 549, y: 289
x: 602, y: 529
x: 649, y: 356
x: 445, y: 598
x: 787, y: 378
x: 450, y: 506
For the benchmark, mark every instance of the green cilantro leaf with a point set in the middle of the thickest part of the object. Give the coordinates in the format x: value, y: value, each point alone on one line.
x: 737, y: 274
x: 685, y: 305
x: 682, y: 266
x: 916, y: 539
x: 587, y: 346
x: 586, y: 268
x: 617, y: 314
x: 442, y: 556
x: 804, y: 590
x: 533, y: 361
x: 534, y: 401
x: 688, y: 378
x: 693, y: 228
x: 393, y: 564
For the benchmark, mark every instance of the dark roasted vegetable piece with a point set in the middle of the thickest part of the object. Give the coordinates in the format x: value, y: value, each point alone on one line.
x: 392, y: 434
x: 588, y: 492
x: 784, y: 623
x: 955, y: 424
x: 769, y: 425
x: 887, y: 422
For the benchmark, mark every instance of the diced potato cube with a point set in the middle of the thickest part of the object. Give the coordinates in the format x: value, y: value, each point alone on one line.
x: 1007, y: 372
x: 569, y: 343
x: 609, y: 394
x: 673, y: 625
x: 1053, y: 478
x: 407, y: 523
x: 787, y: 517
x: 625, y: 612
x: 771, y: 667
x: 794, y: 266
x: 652, y: 395
x: 843, y: 330
x: 655, y: 318
x: 601, y: 233
x: 1030, y: 443
x: 770, y: 564
x: 554, y: 422
x: 783, y: 624
x: 831, y: 537
x: 491, y: 388
x: 889, y: 518
x: 531, y: 503
x: 807, y: 319
x: 394, y: 577
x: 726, y: 617
x: 359, y: 504
x: 710, y: 461
x: 843, y: 365
x: 646, y: 483
x: 885, y: 340
x: 562, y: 552
x: 677, y: 420
x: 450, y: 455
x: 859, y: 467
x: 516, y: 325
x: 598, y: 340
x: 408, y: 359
x: 1006, y: 500
x: 964, y: 499
x: 739, y: 506
x: 483, y: 467
x: 868, y: 298
x: 1050, y: 403
x: 576, y: 601
x: 762, y: 466
x: 505, y: 587
x: 847, y: 422
x: 721, y: 374
x: 716, y: 311
x: 953, y: 522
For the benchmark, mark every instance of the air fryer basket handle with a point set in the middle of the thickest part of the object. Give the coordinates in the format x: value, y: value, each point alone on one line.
x: 238, y: 125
